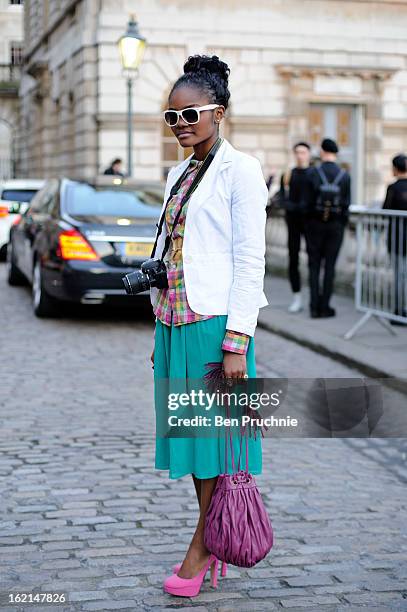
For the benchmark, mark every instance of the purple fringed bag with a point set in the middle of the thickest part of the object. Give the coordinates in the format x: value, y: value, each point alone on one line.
x: 237, y: 527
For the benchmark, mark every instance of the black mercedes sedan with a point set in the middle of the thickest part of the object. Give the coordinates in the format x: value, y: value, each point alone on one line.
x: 79, y: 238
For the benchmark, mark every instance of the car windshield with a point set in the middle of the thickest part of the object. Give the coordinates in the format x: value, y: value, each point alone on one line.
x: 18, y: 195
x: 84, y: 199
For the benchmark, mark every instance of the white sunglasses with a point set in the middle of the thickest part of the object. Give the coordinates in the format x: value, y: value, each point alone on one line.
x: 189, y: 115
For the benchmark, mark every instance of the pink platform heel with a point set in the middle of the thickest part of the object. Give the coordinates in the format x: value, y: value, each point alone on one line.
x: 190, y: 587
x: 223, y: 571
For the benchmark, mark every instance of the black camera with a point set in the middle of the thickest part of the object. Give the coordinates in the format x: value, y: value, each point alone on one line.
x: 153, y: 273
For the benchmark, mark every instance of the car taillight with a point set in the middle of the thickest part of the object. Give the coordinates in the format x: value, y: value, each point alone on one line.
x: 72, y: 245
x: 3, y: 211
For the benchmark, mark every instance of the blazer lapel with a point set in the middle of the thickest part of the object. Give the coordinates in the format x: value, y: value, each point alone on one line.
x: 221, y: 161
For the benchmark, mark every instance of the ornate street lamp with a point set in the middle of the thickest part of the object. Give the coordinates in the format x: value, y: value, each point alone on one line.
x: 131, y: 47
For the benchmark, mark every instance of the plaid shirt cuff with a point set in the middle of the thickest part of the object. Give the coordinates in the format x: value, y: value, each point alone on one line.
x: 235, y: 342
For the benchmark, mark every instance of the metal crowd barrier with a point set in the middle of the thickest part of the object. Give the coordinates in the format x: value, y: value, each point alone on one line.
x: 381, y: 267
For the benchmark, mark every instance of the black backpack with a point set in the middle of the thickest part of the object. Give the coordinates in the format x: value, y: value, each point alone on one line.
x: 328, y: 204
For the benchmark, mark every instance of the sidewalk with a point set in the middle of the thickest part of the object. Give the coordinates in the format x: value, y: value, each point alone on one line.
x: 83, y: 511
x: 372, y: 350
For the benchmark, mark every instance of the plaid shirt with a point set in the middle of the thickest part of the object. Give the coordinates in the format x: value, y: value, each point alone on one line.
x: 172, y: 304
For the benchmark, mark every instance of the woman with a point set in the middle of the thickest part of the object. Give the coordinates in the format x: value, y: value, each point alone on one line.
x: 215, y: 270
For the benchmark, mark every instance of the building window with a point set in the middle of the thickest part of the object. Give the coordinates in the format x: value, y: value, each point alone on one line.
x: 16, y: 1
x: 16, y: 54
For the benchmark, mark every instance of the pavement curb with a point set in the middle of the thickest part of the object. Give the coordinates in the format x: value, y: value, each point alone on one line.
x: 346, y: 359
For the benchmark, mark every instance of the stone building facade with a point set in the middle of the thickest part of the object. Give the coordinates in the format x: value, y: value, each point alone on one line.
x: 11, y: 49
x: 301, y: 69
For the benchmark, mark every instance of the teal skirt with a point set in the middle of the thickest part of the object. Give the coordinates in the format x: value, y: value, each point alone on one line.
x: 181, y: 352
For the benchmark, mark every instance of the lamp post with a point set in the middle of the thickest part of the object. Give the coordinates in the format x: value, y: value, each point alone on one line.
x: 131, y: 48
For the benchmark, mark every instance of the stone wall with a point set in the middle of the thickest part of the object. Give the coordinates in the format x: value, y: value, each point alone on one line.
x: 283, y: 57
x: 11, y: 31
x: 59, y: 91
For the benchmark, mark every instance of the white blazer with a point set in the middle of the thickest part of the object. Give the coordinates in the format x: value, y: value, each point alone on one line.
x: 224, y: 241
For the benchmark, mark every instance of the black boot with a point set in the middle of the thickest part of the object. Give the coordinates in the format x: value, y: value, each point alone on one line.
x: 327, y: 312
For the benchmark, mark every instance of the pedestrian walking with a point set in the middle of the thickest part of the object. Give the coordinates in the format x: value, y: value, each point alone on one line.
x: 396, y: 199
x: 115, y: 168
x: 325, y: 224
x: 294, y: 199
x: 215, y: 268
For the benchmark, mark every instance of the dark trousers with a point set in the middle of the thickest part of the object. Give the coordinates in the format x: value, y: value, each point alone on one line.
x: 324, y: 239
x: 400, y: 284
x: 295, y: 228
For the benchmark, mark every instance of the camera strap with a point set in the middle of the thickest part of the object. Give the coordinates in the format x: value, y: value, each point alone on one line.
x: 197, y: 179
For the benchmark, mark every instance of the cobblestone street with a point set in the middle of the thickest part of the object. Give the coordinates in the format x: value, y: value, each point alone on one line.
x: 83, y: 511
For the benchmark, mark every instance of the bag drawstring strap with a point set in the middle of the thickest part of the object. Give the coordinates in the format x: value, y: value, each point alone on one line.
x: 245, y: 430
x: 228, y: 439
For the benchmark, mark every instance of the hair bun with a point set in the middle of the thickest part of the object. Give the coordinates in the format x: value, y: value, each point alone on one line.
x: 213, y: 65
x: 209, y: 75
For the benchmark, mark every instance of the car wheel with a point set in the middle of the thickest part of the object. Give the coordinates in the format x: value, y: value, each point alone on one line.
x: 3, y: 252
x: 14, y: 276
x: 43, y: 304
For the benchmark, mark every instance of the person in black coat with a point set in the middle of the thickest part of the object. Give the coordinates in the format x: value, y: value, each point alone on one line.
x: 396, y: 199
x: 294, y: 198
x: 329, y: 201
x: 115, y: 168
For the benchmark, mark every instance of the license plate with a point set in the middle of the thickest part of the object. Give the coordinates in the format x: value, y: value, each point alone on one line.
x: 138, y: 249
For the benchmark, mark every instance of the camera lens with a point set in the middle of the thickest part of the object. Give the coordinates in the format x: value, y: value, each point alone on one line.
x: 135, y: 282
